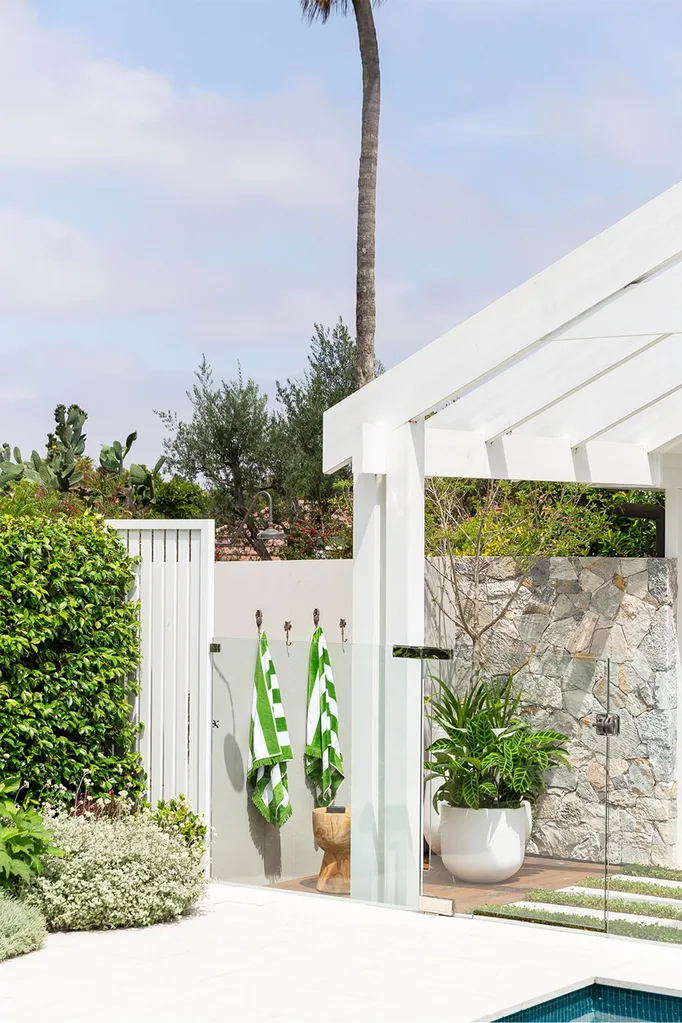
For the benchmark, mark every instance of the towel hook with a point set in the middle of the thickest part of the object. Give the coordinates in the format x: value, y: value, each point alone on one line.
x: 342, y: 626
x: 316, y: 616
x: 259, y: 621
x: 287, y: 630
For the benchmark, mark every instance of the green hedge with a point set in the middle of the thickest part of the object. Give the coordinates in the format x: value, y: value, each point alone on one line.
x: 69, y: 646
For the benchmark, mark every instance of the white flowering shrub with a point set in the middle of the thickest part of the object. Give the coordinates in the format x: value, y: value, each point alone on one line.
x: 124, y: 872
x: 22, y: 927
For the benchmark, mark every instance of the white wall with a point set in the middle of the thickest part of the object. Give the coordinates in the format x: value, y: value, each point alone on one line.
x: 283, y: 591
x: 245, y: 848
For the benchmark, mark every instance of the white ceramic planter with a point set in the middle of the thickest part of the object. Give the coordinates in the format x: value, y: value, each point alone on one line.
x: 483, y: 846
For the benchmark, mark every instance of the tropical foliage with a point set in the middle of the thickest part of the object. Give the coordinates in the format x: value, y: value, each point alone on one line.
x: 487, y: 755
x: 24, y: 839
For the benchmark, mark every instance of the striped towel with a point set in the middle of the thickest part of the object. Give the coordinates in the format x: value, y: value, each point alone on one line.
x: 269, y: 746
x: 323, y: 760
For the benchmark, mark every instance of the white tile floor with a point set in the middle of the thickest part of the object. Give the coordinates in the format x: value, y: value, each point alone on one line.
x: 263, y: 955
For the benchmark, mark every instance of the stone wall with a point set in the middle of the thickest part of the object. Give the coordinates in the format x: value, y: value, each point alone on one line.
x: 585, y: 634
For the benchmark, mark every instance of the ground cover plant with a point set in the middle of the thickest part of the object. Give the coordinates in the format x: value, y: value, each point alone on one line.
x: 69, y: 647
x: 651, y: 932
x: 116, y: 871
x: 22, y: 927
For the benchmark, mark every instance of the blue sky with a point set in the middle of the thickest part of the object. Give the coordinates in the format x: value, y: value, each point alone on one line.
x: 178, y: 177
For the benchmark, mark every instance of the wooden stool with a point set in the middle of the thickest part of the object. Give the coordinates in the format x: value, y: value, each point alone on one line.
x: 332, y: 833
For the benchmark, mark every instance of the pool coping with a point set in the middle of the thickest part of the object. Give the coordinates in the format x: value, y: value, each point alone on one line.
x: 568, y: 989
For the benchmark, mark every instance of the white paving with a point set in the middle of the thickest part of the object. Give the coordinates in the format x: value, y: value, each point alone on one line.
x: 663, y: 881
x: 630, y: 896
x: 263, y: 955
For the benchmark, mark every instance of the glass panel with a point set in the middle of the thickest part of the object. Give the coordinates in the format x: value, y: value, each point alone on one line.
x: 246, y: 848
x: 545, y: 858
x: 644, y: 898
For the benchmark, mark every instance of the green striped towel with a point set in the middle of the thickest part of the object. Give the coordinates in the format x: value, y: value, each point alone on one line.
x: 269, y: 745
x: 323, y: 760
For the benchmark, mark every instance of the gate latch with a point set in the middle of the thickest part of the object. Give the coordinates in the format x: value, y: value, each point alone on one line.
x: 607, y: 724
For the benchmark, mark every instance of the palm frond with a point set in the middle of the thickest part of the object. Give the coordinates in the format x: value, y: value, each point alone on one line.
x: 313, y: 9
x: 322, y: 9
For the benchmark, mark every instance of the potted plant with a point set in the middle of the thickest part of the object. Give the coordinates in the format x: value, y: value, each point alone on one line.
x: 492, y: 767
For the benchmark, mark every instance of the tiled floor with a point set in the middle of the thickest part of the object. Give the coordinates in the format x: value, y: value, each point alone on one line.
x: 536, y: 872
x: 274, y: 957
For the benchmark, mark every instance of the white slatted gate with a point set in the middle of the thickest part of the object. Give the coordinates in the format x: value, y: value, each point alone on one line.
x: 175, y: 587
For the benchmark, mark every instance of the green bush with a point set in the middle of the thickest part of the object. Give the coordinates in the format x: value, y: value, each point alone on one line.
x: 125, y: 872
x: 68, y: 648
x: 22, y: 927
x: 179, y: 499
x: 24, y: 840
x: 176, y: 816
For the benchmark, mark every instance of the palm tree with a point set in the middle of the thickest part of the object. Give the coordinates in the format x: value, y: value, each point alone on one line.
x: 365, y: 302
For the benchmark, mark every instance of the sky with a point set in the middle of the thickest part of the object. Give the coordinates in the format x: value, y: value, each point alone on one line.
x: 178, y: 178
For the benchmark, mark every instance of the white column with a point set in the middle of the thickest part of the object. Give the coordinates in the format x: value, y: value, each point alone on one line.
x: 404, y: 624
x: 367, y: 637
x: 388, y: 609
x: 673, y: 548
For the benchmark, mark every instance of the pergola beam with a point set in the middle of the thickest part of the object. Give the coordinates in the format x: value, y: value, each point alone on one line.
x: 454, y: 453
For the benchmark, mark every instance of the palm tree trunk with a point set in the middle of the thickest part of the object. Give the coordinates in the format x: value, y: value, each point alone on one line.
x: 365, y: 307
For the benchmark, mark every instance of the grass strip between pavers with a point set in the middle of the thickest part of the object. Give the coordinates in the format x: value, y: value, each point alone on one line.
x: 597, y: 902
x: 664, y: 873
x: 651, y: 932
x: 636, y: 887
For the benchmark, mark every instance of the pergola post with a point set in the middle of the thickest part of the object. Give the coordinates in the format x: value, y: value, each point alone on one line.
x: 388, y: 609
x: 673, y: 548
x: 369, y: 526
x: 403, y: 758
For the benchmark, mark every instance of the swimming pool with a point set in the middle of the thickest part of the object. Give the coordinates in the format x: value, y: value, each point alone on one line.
x: 599, y: 1003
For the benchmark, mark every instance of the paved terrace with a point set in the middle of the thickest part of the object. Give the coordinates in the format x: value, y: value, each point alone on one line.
x: 264, y: 955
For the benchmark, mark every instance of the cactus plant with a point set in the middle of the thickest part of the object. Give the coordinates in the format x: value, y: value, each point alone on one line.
x: 113, y: 455
x: 142, y: 483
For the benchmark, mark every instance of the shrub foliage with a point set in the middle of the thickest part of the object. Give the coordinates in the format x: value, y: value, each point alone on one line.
x: 22, y: 927
x: 24, y: 840
x: 68, y: 648
x: 116, y: 872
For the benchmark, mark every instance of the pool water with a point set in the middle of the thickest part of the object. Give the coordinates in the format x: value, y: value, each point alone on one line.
x: 599, y: 1003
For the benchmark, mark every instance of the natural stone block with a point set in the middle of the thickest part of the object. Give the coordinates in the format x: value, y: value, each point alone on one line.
x: 531, y: 627
x: 596, y: 775
x: 606, y: 567
x: 637, y: 585
x: 660, y: 579
x: 589, y: 582
x: 633, y: 566
x: 580, y: 639
x: 653, y: 809
x: 658, y: 646
x: 606, y: 601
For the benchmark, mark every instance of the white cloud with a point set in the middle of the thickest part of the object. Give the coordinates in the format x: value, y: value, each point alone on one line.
x: 64, y: 112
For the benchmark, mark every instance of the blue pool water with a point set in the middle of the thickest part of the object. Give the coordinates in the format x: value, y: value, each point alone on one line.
x: 602, y: 1003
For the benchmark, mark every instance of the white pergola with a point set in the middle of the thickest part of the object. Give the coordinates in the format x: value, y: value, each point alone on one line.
x: 574, y: 376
